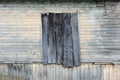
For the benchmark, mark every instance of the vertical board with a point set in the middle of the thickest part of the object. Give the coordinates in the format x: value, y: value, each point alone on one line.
x: 75, y: 37
x: 60, y: 39
x: 51, y: 42
x: 45, y: 38
x: 58, y: 72
x: 68, y: 41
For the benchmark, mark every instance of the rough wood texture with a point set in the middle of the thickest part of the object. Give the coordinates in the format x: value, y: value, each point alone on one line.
x: 61, y: 29
x: 75, y: 37
x: 99, y: 25
x: 45, y: 38
x: 51, y: 40
x: 95, y: 21
x: 99, y: 37
x: 19, y: 40
x: 59, y: 40
x: 58, y: 72
x: 68, y: 41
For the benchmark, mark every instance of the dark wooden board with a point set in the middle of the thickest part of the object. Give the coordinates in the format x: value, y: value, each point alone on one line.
x: 45, y: 22
x: 68, y: 42
x: 60, y: 39
x: 75, y: 37
x: 52, y: 54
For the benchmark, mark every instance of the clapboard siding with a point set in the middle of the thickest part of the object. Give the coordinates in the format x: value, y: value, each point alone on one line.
x: 20, y: 36
x: 99, y: 35
x: 21, y: 30
x: 20, y: 33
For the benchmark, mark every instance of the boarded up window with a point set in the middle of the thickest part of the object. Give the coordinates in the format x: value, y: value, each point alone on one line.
x: 60, y: 38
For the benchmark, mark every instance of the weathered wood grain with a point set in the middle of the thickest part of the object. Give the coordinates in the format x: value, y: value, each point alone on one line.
x: 19, y: 40
x: 58, y: 72
x: 99, y: 28
x: 45, y: 23
x: 99, y: 37
x: 99, y: 41
x: 75, y: 37
x: 62, y: 36
x: 59, y: 37
x: 51, y: 41
x: 68, y: 41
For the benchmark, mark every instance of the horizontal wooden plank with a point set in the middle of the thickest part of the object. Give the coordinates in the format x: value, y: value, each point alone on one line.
x: 100, y: 29
x: 19, y: 44
x: 34, y: 30
x: 20, y: 36
x: 19, y: 40
x: 20, y: 49
x: 24, y: 58
x: 16, y: 35
x: 99, y: 37
x: 21, y: 53
x: 97, y: 27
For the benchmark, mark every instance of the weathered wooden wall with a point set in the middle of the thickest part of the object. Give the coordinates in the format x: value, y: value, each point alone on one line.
x: 98, y: 30
x: 20, y: 36
x: 58, y: 72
